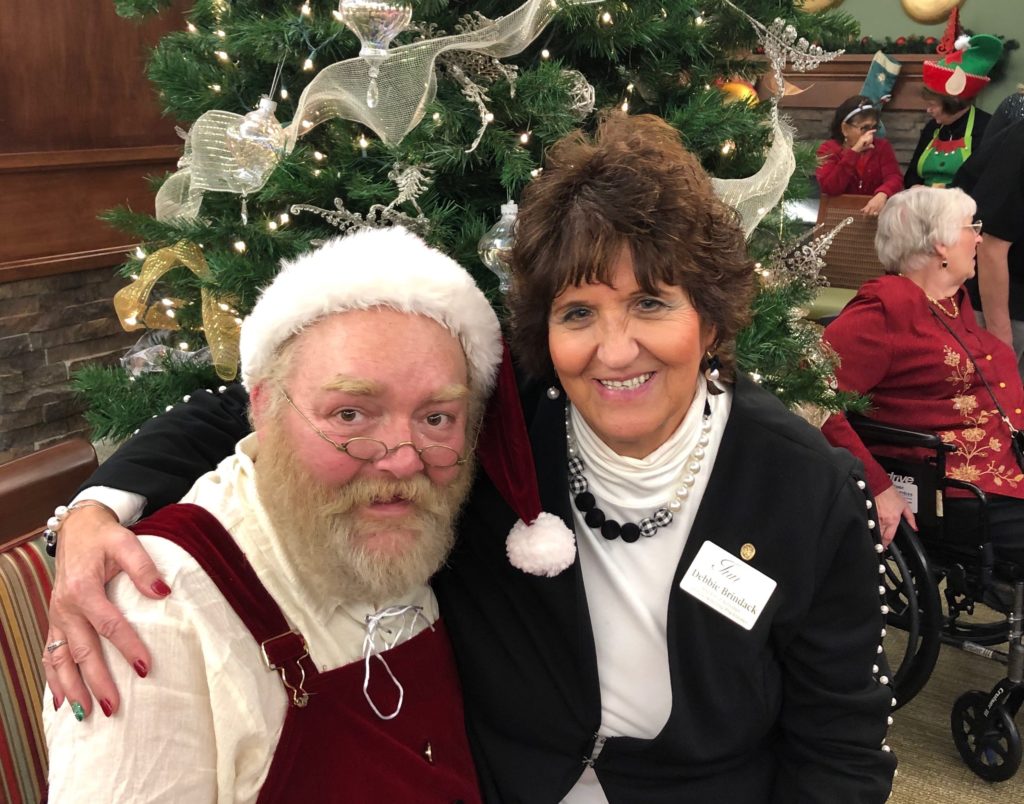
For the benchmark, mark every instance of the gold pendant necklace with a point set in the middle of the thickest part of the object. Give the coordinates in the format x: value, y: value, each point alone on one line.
x: 943, y: 310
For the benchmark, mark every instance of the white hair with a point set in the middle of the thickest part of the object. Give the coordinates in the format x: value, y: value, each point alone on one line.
x: 914, y: 222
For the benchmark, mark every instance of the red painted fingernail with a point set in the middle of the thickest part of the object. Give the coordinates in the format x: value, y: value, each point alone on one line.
x: 108, y: 710
x: 140, y: 668
x: 160, y: 588
x: 56, y: 703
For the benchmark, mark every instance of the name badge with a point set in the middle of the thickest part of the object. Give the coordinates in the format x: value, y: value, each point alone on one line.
x: 907, y: 488
x: 730, y: 586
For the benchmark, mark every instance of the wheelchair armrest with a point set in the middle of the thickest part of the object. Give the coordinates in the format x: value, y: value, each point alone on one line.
x: 898, y: 436
x: 978, y: 494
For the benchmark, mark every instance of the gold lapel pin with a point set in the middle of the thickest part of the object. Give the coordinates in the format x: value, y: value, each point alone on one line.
x: 747, y: 551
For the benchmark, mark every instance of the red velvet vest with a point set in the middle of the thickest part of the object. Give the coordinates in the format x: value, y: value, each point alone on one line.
x: 333, y: 748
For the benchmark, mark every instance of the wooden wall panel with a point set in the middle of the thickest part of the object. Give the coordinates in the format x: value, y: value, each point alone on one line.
x: 56, y: 200
x: 74, y: 76
x: 80, y: 128
x: 835, y: 81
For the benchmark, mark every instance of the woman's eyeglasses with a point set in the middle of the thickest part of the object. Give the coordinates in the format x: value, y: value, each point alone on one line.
x: 864, y: 128
x: 976, y: 226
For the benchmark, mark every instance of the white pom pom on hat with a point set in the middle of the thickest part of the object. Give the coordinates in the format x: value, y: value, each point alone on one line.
x: 544, y: 547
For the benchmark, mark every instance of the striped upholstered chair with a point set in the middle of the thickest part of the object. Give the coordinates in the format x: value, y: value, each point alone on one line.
x: 30, y: 488
x: 26, y: 577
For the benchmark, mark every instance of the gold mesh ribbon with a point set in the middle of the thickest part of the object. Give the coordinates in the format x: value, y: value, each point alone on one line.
x: 220, y: 319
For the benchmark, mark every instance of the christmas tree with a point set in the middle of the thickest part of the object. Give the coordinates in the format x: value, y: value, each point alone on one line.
x: 303, y: 121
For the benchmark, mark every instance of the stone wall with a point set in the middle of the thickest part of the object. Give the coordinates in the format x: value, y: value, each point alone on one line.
x: 48, y: 328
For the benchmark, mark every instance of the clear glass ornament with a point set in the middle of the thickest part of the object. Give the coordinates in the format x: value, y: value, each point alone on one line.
x: 495, y: 247
x: 376, y: 24
x: 256, y: 145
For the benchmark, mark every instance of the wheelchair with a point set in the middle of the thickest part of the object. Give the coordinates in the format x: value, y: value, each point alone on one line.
x: 917, y: 565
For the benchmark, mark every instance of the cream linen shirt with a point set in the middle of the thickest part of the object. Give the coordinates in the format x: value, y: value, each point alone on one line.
x: 203, y: 726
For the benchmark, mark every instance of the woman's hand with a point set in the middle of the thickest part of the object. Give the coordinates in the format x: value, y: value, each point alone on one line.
x: 875, y: 204
x: 92, y: 549
x: 891, y: 506
x: 864, y: 142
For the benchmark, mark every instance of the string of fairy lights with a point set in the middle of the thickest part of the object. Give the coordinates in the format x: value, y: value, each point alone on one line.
x: 273, y: 223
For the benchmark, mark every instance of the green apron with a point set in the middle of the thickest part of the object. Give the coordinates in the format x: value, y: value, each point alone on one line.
x: 941, y: 160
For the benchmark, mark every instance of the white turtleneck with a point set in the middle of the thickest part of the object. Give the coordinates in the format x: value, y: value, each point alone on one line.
x: 628, y: 585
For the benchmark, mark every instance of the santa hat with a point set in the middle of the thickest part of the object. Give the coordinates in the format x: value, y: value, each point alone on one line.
x: 393, y: 268
x: 963, y: 70
x: 539, y: 543
x: 373, y: 268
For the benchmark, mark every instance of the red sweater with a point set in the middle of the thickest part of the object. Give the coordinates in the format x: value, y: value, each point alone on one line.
x: 843, y: 170
x: 893, y: 350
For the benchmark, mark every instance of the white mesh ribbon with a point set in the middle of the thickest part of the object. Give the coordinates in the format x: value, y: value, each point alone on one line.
x: 755, y: 195
x: 406, y: 84
x: 176, y: 200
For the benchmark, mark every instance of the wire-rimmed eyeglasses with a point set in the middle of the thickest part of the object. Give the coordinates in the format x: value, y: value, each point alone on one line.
x: 371, y: 450
x: 976, y: 226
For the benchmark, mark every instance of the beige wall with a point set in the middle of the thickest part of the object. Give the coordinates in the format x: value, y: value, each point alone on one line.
x: 881, y: 18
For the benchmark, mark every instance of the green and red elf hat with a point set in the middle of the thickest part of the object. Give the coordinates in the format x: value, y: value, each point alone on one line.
x: 963, y: 70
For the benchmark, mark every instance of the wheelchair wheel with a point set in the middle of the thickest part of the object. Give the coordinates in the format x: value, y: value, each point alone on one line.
x: 914, y: 606
x: 989, y: 745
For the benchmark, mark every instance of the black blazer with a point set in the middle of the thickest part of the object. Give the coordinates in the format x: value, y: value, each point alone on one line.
x: 790, y: 711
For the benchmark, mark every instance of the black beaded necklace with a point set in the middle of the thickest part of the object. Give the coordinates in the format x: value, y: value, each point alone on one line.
x: 631, y: 531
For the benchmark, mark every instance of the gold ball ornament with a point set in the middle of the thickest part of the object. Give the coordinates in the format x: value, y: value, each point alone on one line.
x: 739, y: 91
x: 811, y: 6
x: 930, y: 12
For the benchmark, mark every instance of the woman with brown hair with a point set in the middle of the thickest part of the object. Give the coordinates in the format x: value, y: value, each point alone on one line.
x: 714, y: 634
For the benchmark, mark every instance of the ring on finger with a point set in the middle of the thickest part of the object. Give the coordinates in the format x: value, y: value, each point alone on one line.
x: 54, y: 645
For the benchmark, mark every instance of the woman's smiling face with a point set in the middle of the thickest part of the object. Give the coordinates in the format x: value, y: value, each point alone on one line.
x: 628, y: 360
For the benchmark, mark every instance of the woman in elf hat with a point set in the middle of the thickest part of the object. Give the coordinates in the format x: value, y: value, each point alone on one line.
x: 950, y: 86
x: 697, y: 616
x: 854, y: 161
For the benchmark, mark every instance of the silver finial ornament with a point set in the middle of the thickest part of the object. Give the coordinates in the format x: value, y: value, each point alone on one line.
x: 495, y: 247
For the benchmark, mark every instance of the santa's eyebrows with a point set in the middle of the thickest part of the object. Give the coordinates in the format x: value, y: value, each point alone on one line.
x: 361, y: 386
x: 451, y: 393
x: 356, y: 386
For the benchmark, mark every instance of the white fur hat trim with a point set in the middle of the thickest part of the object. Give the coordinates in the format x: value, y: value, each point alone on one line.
x: 545, y: 547
x: 373, y: 268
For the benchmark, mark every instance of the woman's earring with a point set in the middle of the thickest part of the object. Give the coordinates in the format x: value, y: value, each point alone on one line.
x: 714, y: 364
x: 553, y: 392
x: 944, y: 264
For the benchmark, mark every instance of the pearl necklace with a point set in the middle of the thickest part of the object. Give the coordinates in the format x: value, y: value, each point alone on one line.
x: 943, y: 310
x: 629, y: 531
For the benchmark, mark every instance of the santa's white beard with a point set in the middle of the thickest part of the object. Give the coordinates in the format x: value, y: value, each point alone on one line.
x: 342, y: 555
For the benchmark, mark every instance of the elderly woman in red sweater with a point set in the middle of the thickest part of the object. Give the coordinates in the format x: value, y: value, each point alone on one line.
x: 854, y: 161
x: 910, y: 342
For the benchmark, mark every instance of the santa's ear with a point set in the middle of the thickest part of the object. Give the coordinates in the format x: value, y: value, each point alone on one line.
x: 259, y: 402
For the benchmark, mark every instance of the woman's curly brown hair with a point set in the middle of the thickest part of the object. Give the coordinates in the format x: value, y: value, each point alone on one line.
x: 632, y: 184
